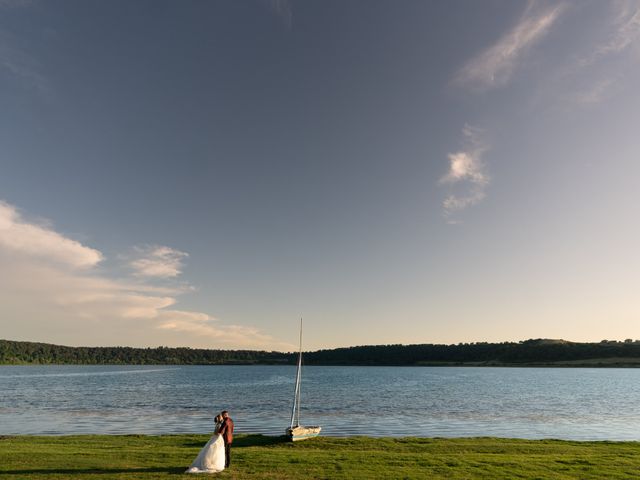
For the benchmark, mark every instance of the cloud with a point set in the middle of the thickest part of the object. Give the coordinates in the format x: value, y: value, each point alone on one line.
x: 52, y: 290
x: 593, y: 93
x: 282, y: 8
x: 454, y: 203
x: 592, y: 78
x: 24, y: 238
x: 207, y: 327
x: 20, y: 65
x: 158, y: 261
x: 625, y: 30
x: 495, y: 66
x: 465, y: 166
x: 466, y: 170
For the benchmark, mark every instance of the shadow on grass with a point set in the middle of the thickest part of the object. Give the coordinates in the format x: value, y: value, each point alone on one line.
x: 247, y: 440
x: 258, y: 441
x: 93, y: 471
x: 194, y: 444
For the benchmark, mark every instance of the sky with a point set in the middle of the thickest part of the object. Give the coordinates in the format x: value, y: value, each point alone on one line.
x: 205, y: 173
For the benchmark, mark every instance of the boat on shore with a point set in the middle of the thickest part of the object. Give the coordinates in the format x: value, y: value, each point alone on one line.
x: 297, y: 432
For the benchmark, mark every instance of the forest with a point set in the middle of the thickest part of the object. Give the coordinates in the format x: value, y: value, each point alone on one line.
x: 542, y: 352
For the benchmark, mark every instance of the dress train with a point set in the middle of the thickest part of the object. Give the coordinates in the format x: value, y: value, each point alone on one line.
x: 211, y: 457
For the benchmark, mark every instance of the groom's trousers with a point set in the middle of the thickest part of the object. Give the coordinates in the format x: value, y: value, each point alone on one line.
x: 227, y: 454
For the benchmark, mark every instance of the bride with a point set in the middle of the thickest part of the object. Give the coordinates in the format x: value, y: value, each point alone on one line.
x: 211, y: 457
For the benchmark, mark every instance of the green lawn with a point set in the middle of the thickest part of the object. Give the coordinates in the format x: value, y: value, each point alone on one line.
x: 254, y: 456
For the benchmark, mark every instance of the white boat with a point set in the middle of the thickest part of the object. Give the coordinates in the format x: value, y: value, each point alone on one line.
x: 296, y: 431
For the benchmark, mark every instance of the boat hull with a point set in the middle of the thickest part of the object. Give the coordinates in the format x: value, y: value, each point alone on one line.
x: 295, y: 434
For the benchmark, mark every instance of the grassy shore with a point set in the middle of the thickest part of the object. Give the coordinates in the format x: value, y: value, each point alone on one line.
x: 260, y: 457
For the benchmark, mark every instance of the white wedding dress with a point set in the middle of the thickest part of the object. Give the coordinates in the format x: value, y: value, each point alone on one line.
x: 211, y: 457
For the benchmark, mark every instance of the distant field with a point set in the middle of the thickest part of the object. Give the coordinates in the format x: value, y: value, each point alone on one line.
x: 260, y: 457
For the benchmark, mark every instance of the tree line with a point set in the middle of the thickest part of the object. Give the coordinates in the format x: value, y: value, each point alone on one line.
x: 12, y: 352
x: 539, y: 351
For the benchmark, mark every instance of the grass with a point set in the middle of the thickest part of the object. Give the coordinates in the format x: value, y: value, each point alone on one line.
x: 143, y: 457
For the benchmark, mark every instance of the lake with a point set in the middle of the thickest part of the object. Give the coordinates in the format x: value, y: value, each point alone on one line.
x: 566, y: 403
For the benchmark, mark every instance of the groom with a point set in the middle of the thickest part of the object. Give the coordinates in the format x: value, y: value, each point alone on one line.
x: 226, y: 430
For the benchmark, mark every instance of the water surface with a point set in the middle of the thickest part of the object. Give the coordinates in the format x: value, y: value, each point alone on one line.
x: 568, y: 403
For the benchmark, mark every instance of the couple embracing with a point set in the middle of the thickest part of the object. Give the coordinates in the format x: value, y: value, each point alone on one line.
x: 215, y: 456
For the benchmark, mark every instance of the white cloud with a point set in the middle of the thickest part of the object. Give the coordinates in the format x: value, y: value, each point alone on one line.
x: 158, y: 261
x: 465, y: 166
x: 207, y: 327
x: 494, y: 67
x: 51, y: 291
x: 466, y: 169
x: 30, y: 239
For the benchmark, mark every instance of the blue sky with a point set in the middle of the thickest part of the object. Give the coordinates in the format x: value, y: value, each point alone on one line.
x: 205, y: 173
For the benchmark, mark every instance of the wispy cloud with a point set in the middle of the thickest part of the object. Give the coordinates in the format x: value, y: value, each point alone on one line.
x: 495, y: 66
x: 158, y: 261
x: 282, y: 8
x: 594, y: 76
x: 20, y: 65
x: 467, y: 172
x: 594, y: 91
x: 51, y: 283
x: 624, y: 32
x: 205, y: 326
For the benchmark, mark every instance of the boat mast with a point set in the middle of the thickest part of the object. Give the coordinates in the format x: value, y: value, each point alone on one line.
x: 299, y: 374
x: 295, y: 411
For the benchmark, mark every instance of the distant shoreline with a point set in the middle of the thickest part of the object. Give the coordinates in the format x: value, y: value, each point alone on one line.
x: 528, y: 353
x: 425, y: 365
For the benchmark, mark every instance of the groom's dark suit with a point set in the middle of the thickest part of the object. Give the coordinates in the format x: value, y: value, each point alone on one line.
x: 226, y: 430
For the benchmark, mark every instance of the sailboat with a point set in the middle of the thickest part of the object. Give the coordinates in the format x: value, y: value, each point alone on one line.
x: 296, y: 431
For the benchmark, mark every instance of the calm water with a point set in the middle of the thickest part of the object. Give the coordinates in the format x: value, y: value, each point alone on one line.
x: 379, y: 401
